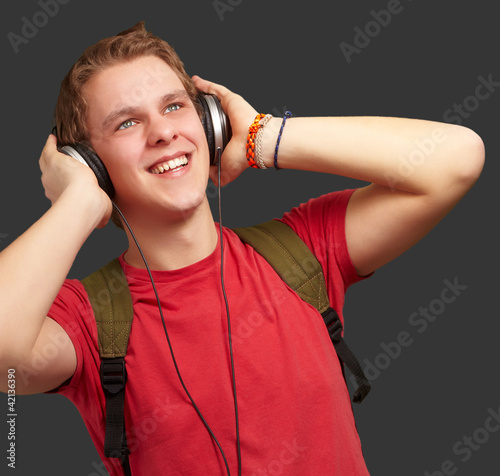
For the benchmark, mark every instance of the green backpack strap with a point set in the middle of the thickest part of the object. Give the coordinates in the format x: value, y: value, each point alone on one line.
x: 109, y: 295
x: 282, y: 248
x: 294, y: 262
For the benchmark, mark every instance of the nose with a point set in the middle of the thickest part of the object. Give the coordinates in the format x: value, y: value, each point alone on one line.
x: 161, y: 130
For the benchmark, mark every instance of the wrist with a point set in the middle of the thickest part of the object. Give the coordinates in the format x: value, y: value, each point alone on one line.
x: 92, y: 205
x: 271, y: 141
x: 264, y: 139
x: 253, y: 142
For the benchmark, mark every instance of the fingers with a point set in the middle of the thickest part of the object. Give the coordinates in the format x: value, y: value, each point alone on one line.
x: 210, y: 87
x: 213, y: 174
x: 241, y: 114
x: 51, y: 141
x: 51, y: 153
x: 49, y: 147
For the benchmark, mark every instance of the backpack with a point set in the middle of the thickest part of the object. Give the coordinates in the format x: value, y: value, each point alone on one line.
x: 110, y: 298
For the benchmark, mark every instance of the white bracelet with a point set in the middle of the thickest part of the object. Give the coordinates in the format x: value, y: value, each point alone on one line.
x: 258, y: 141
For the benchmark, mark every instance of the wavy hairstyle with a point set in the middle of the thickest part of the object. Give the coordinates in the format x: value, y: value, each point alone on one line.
x: 71, y: 107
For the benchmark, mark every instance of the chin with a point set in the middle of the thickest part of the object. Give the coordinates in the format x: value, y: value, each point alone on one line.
x: 178, y: 205
x: 189, y: 204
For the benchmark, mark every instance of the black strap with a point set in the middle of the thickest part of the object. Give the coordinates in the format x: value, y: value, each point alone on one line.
x: 124, y: 459
x: 113, y: 378
x: 334, y: 326
x: 292, y: 259
x: 109, y: 296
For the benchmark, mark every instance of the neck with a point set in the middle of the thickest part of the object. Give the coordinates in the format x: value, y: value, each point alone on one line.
x: 174, y: 243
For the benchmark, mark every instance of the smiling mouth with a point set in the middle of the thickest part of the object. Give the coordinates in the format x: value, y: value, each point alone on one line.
x: 173, y: 164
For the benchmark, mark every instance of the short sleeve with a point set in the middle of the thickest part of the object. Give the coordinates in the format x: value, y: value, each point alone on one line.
x: 72, y: 311
x: 320, y: 222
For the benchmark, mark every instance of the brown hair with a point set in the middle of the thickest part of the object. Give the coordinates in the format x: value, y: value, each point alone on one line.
x: 71, y: 107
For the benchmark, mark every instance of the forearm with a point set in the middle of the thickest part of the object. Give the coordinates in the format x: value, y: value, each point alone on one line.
x: 33, y: 269
x: 415, y: 156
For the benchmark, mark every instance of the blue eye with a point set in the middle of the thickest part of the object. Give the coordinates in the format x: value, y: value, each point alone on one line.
x: 172, y: 107
x: 126, y: 124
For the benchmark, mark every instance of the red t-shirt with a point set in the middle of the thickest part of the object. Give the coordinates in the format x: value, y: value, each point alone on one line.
x: 295, y: 416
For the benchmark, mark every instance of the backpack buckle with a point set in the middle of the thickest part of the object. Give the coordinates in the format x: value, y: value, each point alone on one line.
x: 113, y: 374
x: 333, y: 324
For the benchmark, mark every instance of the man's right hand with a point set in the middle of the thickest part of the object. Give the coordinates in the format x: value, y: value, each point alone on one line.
x: 61, y: 174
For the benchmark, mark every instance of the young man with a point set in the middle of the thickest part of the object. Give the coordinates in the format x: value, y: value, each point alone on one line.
x: 129, y: 98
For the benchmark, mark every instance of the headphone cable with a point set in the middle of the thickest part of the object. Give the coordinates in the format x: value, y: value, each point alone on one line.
x: 236, y: 417
x: 170, y: 344
x: 207, y: 426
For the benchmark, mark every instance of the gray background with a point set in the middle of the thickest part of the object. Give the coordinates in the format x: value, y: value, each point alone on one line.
x: 285, y: 54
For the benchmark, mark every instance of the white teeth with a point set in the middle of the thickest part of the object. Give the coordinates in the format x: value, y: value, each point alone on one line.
x: 170, y: 165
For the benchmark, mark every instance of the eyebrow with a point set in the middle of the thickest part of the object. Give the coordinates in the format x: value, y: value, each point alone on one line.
x: 176, y: 95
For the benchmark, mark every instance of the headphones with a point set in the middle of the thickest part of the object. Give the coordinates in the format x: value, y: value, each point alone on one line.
x: 215, y: 123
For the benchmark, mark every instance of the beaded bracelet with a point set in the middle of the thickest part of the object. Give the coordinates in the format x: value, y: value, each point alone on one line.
x: 252, y: 132
x: 285, y: 117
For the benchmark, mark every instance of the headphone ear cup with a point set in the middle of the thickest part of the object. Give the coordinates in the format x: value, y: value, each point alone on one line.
x: 206, y: 120
x: 85, y: 155
x: 216, y: 124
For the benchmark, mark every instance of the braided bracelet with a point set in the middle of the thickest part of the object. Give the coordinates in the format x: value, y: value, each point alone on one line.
x: 258, y: 141
x: 252, y: 132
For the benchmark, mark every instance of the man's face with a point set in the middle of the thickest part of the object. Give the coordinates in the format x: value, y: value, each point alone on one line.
x: 148, y: 134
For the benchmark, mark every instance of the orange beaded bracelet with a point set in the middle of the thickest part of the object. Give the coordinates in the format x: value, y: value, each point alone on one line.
x: 252, y: 132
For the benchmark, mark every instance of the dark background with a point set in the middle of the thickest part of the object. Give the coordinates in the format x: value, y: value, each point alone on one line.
x: 285, y: 54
